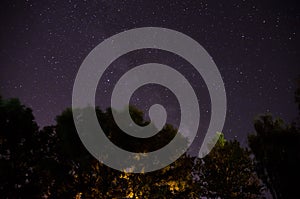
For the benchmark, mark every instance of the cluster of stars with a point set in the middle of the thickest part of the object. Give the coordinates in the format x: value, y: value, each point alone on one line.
x: 44, y: 43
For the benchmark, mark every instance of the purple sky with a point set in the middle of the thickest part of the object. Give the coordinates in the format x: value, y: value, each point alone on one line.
x: 254, y: 44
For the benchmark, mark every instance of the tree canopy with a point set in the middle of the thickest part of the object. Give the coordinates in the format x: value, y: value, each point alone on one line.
x: 276, y: 147
x: 53, y: 163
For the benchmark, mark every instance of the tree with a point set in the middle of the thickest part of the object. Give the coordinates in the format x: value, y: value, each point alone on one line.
x: 18, y: 147
x: 227, y: 172
x: 276, y: 147
x: 80, y: 174
x: 53, y: 162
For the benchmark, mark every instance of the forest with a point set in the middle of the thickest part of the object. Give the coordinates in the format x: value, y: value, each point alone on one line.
x: 51, y: 162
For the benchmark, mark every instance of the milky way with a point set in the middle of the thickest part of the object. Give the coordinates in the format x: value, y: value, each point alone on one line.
x: 254, y: 45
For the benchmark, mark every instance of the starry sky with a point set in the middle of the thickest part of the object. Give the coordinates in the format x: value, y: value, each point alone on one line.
x: 254, y: 43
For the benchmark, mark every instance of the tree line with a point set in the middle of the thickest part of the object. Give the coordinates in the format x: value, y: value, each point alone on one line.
x: 53, y: 163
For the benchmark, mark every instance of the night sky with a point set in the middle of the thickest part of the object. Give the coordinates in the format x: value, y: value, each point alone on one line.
x: 253, y: 43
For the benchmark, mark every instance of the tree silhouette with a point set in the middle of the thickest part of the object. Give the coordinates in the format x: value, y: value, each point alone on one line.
x: 227, y: 172
x: 276, y: 147
x: 80, y: 173
x: 18, y: 146
x: 53, y: 163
